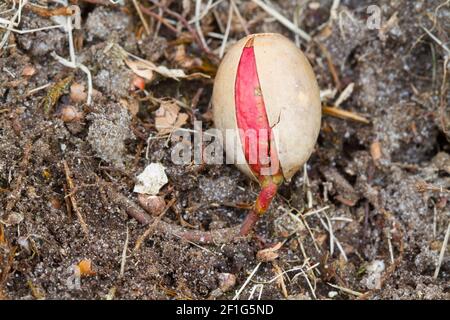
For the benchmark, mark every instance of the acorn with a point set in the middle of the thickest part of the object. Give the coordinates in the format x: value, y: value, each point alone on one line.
x: 266, y: 93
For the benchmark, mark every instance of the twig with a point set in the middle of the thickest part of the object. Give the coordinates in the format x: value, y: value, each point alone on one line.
x: 312, y: 212
x: 218, y: 236
x: 73, y: 201
x: 434, y: 221
x: 186, y: 24
x: 391, y: 250
x: 239, y: 16
x: 303, y: 273
x: 141, y: 16
x: 99, y: 2
x: 196, y: 245
x: 209, y: 6
x: 67, y: 202
x: 159, y: 18
x: 32, y: 30
x: 330, y: 228
x: 345, y: 94
x: 441, y: 254
x: 47, y: 13
x: 444, y: 89
x: 390, y: 270
x: 331, y: 66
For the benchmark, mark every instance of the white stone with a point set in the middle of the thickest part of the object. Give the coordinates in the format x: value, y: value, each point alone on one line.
x: 151, y: 180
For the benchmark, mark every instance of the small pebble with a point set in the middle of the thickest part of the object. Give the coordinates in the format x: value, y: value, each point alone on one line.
x: 70, y: 114
x: 332, y: 294
x: 226, y: 281
x: 152, y: 204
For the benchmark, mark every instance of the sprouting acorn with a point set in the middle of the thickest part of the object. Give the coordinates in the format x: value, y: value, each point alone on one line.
x: 266, y: 92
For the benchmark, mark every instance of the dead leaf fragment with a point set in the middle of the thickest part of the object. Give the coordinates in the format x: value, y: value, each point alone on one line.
x: 85, y: 267
x: 168, y: 118
x: 147, y: 69
x: 131, y: 104
x: 12, y: 219
x: 375, y: 150
x: 269, y: 254
x: 185, y: 61
x: 28, y: 71
x: 142, y: 69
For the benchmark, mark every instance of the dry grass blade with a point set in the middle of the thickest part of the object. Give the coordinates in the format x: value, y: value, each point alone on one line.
x: 346, y: 290
x: 344, y: 114
x: 283, y: 20
x: 441, y: 254
x: 280, y: 279
x: 227, y: 31
x: 437, y: 40
x: 124, y: 254
x: 345, y: 94
x: 238, y: 293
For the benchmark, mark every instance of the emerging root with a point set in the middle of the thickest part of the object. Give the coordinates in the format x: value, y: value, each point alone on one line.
x: 269, y: 187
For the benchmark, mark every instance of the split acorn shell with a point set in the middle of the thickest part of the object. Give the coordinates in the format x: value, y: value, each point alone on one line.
x: 291, y: 98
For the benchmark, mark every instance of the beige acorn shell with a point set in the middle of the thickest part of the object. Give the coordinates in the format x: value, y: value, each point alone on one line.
x: 291, y: 97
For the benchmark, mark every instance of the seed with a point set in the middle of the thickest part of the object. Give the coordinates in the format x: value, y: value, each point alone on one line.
x: 265, y: 91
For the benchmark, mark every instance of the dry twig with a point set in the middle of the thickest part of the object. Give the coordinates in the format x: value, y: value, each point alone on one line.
x: 218, y: 236
x: 71, y: 196
x: 153, y: 225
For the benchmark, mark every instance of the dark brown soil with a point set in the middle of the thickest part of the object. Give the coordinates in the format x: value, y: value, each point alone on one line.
x: 389, y: 214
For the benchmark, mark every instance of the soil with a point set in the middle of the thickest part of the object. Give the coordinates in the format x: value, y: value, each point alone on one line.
x: 385, y: 185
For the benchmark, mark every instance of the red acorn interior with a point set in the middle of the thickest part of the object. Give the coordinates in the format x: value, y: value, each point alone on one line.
x: 251, y: 115
x: 251, y: 112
